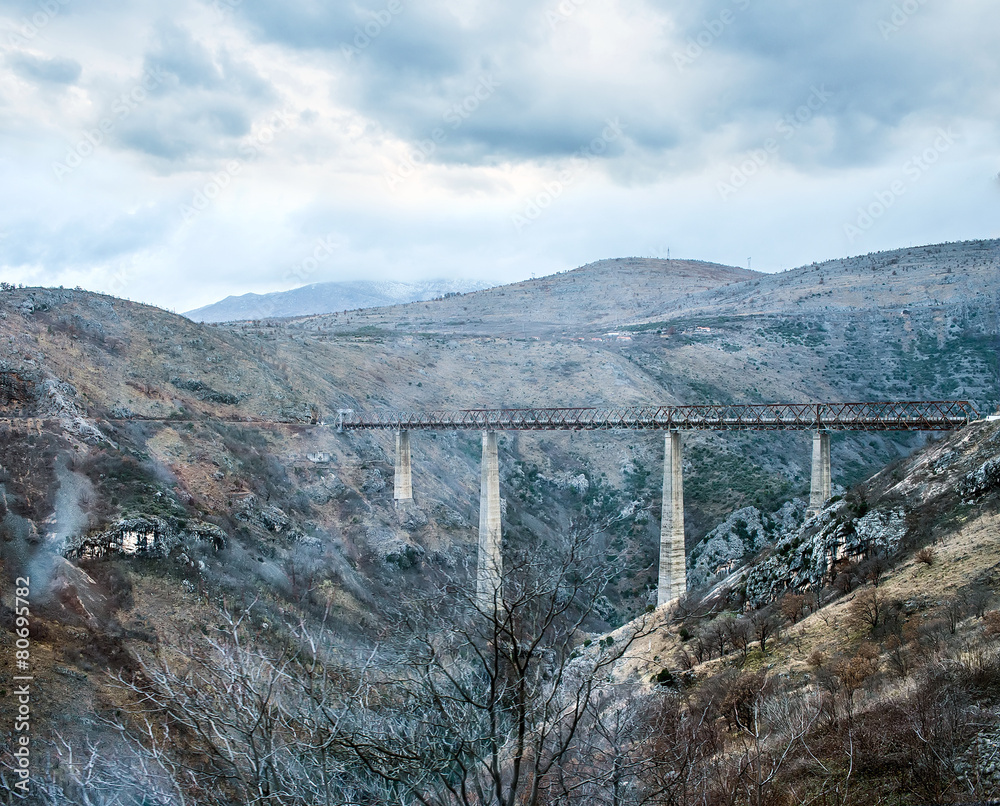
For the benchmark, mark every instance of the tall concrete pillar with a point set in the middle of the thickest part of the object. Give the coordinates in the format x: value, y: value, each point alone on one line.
x: 490, y: 564
x: 673, y: 572
x: 820, y: 489
x: 402, y: 482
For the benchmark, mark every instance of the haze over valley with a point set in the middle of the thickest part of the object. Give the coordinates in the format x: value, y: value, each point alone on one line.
x: 174, y: 487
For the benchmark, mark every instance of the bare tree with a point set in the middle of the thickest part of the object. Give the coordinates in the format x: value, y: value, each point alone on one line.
x: 738, y: 632
x: 490, y: 707
x: 875, y: 567
x: 852, y: 674
x: 93, y: 773
x: 868, y: 609
x: 717, y: 636
x: 776, y: 725
x: 678, y: 748
x: 764, y: 624
x: 604, y: 769
x: 792, y: 606
x: 238, y: 721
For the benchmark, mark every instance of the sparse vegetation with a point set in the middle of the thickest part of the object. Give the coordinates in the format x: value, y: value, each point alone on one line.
x: 303, y: 639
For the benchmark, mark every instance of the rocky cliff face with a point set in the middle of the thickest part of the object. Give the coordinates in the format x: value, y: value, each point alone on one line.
x: 899, y: 508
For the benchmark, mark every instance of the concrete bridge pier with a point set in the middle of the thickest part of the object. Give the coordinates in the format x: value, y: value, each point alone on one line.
x: 673, y: 569
x: 490, y: 562
x: 402, y: 480
x: 820, y: 489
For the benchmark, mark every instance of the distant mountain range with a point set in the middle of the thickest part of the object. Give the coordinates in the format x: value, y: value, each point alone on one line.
x: 319, y: 298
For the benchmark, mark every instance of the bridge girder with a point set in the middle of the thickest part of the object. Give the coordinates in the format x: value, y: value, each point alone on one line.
x: 921, y: 415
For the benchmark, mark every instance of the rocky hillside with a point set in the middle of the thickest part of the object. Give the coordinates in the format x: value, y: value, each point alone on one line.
x: 861, y: 642
x: 584, y: 301
x: 153, y: 467
x: 215, y: 413
x: 865, y: 641
x: 328, y: 297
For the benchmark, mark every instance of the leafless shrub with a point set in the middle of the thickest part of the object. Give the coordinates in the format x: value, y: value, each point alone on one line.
x: 792, y: 606
x: 678, y: 745
x: 122, y: 772
x: 239, y: 722
x: 497, y: 704
x: 684, y: 660
x: 739, y: 634
x: 978, y: 597
x: 853, y: 672
x: 763, y: 625
x: 991, y: 623
x: 716, y: 636
x: 953, y: 611
x: 872, y: 610
x: 846, y: 578
x: 926, y: 555
x: 933, y: 725
x: 899, y: 655
x: 700, y: 649
x: 741, y: 692
x: 767, y: 740
x: 874, y: 568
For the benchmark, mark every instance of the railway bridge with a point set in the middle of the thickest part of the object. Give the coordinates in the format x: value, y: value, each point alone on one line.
x: 821, y: 419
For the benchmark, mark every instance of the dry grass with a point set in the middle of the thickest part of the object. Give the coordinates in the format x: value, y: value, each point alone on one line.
x: 831, y: 631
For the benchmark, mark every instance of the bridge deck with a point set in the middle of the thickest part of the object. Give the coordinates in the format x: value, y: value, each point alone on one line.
x: 924, y: 415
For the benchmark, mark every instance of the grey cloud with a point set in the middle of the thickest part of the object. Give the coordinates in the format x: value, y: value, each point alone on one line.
x: 299, y: 25
x: 200, y: 105
x: 882, y: 66
x: 173, y: 132
x: 424, y: 61
x: 49, y: 71
x: 189, y: 63
x: 762, y: 61
x: 423, y: 38
x: 425, y: 64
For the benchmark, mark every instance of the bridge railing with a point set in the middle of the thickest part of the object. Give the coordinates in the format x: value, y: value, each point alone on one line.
x: 920, y: 415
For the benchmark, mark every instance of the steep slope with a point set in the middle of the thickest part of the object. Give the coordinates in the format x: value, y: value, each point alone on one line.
x: 153, y: 467
x: 858, y: 656
x: 108, y: 358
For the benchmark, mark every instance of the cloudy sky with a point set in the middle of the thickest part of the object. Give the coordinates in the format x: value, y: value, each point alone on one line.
x: 178, y: 153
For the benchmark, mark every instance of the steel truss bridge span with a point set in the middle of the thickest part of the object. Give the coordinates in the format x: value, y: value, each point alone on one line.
x: 918, y: 415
